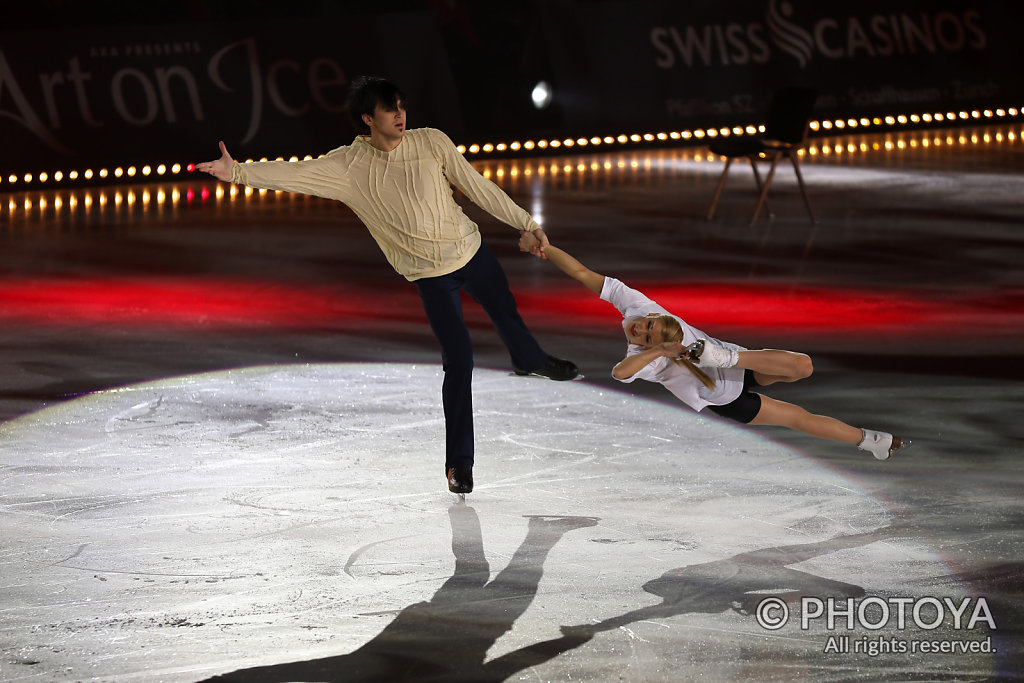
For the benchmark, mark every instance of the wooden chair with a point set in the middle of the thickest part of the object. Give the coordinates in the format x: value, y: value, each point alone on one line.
x: 784, y: 134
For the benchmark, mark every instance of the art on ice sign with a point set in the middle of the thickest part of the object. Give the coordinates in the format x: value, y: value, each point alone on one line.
x: 107, y: 95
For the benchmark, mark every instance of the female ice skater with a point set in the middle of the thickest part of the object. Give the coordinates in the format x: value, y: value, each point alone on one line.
x: 706, y: 372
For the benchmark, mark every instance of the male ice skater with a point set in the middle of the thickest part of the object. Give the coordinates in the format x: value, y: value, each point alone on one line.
x: 398, y: 182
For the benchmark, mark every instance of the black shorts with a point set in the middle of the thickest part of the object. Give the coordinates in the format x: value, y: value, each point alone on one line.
x: 746, y: 406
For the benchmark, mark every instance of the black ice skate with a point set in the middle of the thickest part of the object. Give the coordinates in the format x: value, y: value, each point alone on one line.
x: 460, y: 479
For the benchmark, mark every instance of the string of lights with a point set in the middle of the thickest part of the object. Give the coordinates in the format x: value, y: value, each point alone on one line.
x: 820, y: 129
x: 68, y: 207
x: 700, y: 134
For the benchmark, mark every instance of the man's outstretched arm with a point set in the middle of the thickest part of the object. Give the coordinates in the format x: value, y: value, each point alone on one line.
x: 528, y: 242
x: 219, y: 168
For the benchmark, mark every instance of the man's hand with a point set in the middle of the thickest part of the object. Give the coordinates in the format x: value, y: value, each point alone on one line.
x: 527, y: 242
x: 533, y: 242
x: 221, y: 168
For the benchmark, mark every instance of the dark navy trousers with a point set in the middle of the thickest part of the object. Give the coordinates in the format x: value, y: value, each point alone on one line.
x: 484, y: 280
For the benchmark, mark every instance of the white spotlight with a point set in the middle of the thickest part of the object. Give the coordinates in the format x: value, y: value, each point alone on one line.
x: 541, y: 95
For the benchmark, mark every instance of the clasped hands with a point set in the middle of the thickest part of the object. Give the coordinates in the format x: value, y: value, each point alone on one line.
x: 533, y: 242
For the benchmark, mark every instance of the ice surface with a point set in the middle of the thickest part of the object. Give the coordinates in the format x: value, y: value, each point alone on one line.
x: 295, y: 518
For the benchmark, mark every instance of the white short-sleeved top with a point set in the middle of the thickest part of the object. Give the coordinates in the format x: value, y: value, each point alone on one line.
x: 680, y: 381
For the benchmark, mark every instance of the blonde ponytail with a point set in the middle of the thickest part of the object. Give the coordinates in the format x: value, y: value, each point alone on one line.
x: 697, y: 372
x: 673, y: 332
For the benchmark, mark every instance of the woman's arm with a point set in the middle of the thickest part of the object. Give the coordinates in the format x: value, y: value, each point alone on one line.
x: 566, y: 263
x: 630, y: 365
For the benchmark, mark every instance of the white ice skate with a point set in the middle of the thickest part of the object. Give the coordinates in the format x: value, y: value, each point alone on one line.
x: 882, y: 445
x: 710, y: 355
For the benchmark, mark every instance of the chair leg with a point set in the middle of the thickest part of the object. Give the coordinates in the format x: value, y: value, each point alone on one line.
x: 764, y: 189
x: 803, y: 190
x: 757, y: 176
x: 718, y: 190
x: 757, y: 181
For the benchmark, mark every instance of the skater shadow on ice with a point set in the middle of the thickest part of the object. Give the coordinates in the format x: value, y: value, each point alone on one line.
x: 447, y: 638
x: 741, y: 582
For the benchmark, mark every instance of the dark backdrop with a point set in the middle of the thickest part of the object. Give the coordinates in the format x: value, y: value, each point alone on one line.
x: 88, y: 84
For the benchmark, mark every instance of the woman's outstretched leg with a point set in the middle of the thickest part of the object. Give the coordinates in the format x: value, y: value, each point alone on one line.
x: 781, y: 414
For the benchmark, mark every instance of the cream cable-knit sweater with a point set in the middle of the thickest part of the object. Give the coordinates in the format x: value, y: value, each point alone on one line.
x: 403, y: 196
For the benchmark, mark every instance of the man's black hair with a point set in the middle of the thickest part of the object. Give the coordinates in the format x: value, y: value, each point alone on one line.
x: 366, y: 93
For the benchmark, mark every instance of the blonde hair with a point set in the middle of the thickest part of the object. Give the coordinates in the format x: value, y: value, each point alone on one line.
x: 672, y: 331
